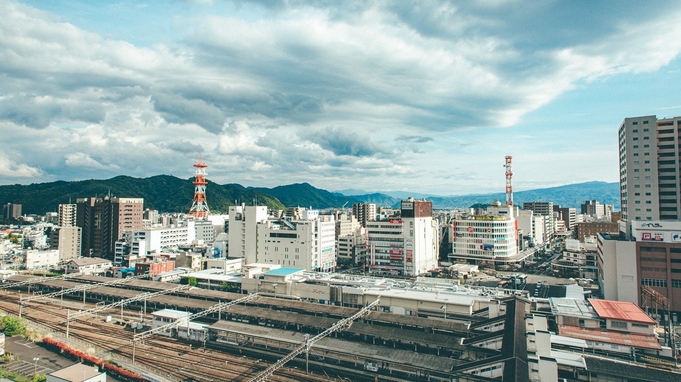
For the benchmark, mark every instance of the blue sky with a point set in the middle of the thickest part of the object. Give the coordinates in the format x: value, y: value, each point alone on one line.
x: 425, y: 97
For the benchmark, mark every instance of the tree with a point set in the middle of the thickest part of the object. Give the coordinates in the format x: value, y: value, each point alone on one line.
x: 190, y: 280
x: 13, y: 325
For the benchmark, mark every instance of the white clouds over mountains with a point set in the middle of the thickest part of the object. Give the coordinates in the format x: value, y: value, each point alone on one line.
x: 328, y: 93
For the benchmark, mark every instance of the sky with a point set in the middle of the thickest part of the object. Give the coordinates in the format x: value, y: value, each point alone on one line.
x: 424, y: 96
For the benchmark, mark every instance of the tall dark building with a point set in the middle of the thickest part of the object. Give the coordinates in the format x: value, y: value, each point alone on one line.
x: 364, y: 212
x: 11, y: 211
x: 103, y: 221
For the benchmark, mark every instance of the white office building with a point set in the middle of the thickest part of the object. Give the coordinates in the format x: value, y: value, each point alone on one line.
x: 307, y: 242
x: 405, y: 245
x: 491, y: 237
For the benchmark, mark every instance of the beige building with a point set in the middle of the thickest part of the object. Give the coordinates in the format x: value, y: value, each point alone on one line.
x: 88, y: 266
x: 649, y: 168
x: 77, y: 373
x: 69, y: 242
x: 67, y: 215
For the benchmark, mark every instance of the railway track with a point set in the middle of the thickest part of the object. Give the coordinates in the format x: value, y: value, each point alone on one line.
x: 179, y: 360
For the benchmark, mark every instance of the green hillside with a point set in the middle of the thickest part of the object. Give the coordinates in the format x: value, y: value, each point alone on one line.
x: 162, y: 192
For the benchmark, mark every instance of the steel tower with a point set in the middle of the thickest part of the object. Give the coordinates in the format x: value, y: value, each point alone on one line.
x: 199, y: 207
x: 509, y: 183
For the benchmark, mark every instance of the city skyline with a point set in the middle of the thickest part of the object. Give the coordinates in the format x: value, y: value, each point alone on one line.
x: 380, y: 96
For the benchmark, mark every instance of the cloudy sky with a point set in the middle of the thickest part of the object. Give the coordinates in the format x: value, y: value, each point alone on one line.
x: 425, y: 97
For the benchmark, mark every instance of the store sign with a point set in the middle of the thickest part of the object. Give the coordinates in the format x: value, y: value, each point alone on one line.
x: 652, y: 236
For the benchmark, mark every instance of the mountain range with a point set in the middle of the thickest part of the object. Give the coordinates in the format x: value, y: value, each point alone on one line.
x: 167, y: 193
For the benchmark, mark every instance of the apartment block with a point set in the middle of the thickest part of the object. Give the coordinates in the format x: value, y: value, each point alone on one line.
x: 103, y: 221
x: 649, y: 168
x: 364, y: 212
x: 67, y: 215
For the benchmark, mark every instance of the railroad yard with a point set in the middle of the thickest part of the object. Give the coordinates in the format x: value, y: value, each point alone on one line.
x: 244, y: 339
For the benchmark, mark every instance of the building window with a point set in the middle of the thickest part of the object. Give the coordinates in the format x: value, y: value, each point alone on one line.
x: 618, y: 324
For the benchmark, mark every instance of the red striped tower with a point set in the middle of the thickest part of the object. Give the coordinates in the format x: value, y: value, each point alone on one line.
x: 199, y: 207
x: 509, y: 183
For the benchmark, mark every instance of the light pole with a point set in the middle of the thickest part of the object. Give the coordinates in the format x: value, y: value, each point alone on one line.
x: 35, y: 365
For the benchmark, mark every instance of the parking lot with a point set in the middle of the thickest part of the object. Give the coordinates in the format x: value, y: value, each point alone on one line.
x: 24, y: 361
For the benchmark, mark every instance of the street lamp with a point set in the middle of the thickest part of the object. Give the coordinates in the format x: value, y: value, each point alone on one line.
x: 35, y: 365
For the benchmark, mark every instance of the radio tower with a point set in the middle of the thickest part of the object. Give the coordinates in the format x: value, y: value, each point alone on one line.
x: 199, y: 207
x: 509, y: 183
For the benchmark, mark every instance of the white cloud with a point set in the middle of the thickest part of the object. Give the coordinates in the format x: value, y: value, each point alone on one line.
x: 13, y: 171
x: 302, y: 92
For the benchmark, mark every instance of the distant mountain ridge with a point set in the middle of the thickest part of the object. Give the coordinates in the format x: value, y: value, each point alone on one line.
x: 171, y: 194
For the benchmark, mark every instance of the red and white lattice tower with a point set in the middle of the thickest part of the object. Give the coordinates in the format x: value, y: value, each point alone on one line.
x: 199, y: 207
x: 509, y: 182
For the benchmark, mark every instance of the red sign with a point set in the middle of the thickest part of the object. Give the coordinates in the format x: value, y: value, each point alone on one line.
x: 393, y: 221
x: 470, y: 229
x: 454, y: 230
x: 489, y: 230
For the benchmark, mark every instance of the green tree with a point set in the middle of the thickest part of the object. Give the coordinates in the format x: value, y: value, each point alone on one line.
x: 190, y: 280
x: 39, y: 378
x: 13, y: 325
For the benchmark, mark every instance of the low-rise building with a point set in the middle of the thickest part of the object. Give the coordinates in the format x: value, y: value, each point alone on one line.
x: 88, y: 266
x: 154, y: 268
x: 77, y: 373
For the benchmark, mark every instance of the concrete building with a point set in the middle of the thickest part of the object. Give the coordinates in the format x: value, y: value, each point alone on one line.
x: 652, y: 260
x: 568, y: 215
x: 364, y: 212
x: 154, y: 268
x: 145, y: 242
x: 36, y: 259
x: 77, y: 373
x: 349, y: 238
x: 104, y: 220
x: 243, y: 229
x: 593, y: 228
x: 650, y: 185
x: 543, y: 209
x: 533, y: 227
x: 201, y: 232
x: 69, y: 239
x: 492, y: 237
x: 11, y: 211
x: 307, y: 243
x: 88, y: 266
x: 407, y: 245
x: 67, y: 215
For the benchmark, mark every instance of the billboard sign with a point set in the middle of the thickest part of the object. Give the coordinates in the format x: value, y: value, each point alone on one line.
x: 652, y: 236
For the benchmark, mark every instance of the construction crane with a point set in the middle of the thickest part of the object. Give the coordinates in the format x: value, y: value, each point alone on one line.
x: 309, y: 342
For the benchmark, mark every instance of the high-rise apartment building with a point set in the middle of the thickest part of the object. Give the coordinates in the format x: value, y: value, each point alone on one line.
x: 364, y: 212
x: 67, y: 215
x: 543, y: 209
x: 650, y: 187
x: 11, y: 211
x: 104, y: 220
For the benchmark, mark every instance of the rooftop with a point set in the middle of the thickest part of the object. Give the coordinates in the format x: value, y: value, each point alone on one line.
x: 76, y: 373
x: 283, y: 271
x: 90, y: 261
x: 571, y: 307
x: 610, y: 337
x: 620, y: 310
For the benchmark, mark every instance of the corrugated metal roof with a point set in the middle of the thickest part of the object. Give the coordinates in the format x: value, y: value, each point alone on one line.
x: 610, y: 337
x: 620, y: 310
